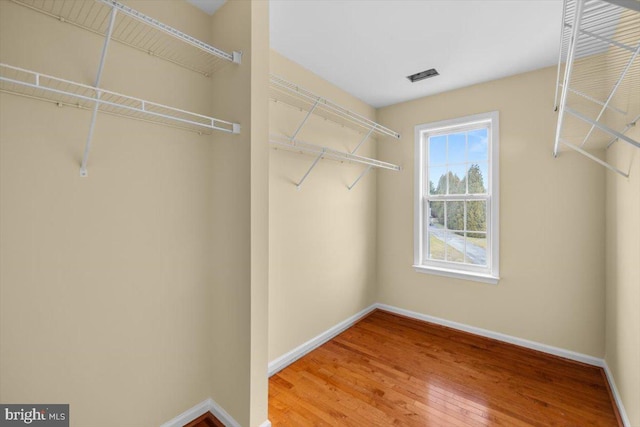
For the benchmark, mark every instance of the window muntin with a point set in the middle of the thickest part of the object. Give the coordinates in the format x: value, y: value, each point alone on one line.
x: 456, y: 200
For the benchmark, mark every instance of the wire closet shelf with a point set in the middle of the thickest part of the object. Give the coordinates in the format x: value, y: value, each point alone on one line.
x: 299, y: 97
x: 138, y: 31
x: 305, y: 100
x: 36, y: 85
x: 598, y: 79
x: 121, y: 23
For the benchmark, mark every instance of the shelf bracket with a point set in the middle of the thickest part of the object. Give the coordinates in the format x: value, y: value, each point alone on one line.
x: 595, y: 159
x: 567, y: 73
x: 304, y: 121
x: 105, y: 47
x: 612, y: 93
x: 603, y: 127
x: 625, y: 130
x: 362, y: 141
x: 315, y: 162
x: 364, y: 172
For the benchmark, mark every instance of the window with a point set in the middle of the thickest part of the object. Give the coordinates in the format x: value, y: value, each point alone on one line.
x: 456, y: 198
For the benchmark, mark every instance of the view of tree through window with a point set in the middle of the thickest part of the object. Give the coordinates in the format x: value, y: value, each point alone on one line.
x: 457, y: 199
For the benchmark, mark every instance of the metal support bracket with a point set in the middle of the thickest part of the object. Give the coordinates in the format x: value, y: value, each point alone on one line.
x: 567, y: 73
x: 105, y: 47
x: 595, y: 159
x: 304, y: 121
x: 363, y: 140
x: 315, y: 162
x: 625, y: 130
x: 364, y: 172
x: 612, y: 93
x: 603, y: 127
x: 237, y: 57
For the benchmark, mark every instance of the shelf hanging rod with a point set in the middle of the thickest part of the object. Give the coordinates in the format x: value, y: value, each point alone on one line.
x: 613, y: 92
x: 285, y: 86
x: 205, y: 122
x: 342, y: 156
x: 325, y: 152
x: 94, y: 116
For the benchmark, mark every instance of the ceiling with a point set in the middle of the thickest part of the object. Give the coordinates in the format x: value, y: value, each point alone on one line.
x: 369, y: 47
x: 208, y: 6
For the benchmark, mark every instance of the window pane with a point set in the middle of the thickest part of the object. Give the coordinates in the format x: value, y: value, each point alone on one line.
x: 477, y: 216
x: 435, y: 215
x: 478, y: 146
x: 438, y: 180
x: 454, y: 247
x: 436, y: 245
x: 477, y: 177
x: 457, y: 148
x: 457, y: 182
x: 476, y: 249
x: 454, y: 215
x: 438, y: 150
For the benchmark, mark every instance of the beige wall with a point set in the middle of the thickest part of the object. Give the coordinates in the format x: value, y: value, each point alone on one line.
x: 551, y: 223
x: 322, y: 237
x: 623, y: 277
x: 260, y: 60
x: 240, y: 172
x: 110, y: 299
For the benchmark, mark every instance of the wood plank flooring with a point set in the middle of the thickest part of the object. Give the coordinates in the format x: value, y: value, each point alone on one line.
x: 205, y: 420
x: 389, y: 370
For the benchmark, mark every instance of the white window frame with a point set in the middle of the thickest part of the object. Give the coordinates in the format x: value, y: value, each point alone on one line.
x: 486, y: 274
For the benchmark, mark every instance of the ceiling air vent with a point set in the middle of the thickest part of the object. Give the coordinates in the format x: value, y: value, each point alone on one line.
x: 423, y: 75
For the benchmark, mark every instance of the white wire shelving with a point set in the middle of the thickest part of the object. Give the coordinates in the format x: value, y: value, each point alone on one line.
x: 63, y: 92
x: 321, y: 152
x: 138, y: 31
x: 598, y: 81
x: 121, y: 23
x: 305, y: 100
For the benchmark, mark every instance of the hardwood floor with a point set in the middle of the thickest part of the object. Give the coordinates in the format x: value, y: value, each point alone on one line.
x: 389, y: 370
x: 205, y: 420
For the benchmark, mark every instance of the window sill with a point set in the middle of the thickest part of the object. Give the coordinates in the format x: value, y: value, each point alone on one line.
x: 457, y: 274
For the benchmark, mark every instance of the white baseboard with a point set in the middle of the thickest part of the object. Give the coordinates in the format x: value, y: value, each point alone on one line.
x: 567, y: 354
x: 202, y: 408
x: 222, y: 415
x: 556, y: 351
x: 189, y: 415
x: 266, y: 424
x: 288, y: 358
x: 616, y: 394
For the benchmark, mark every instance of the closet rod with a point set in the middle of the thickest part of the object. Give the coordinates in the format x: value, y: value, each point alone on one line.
x: 321, y: 152
x: 29, y: 83
x: 343, y: 156
x: 321, y: 106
